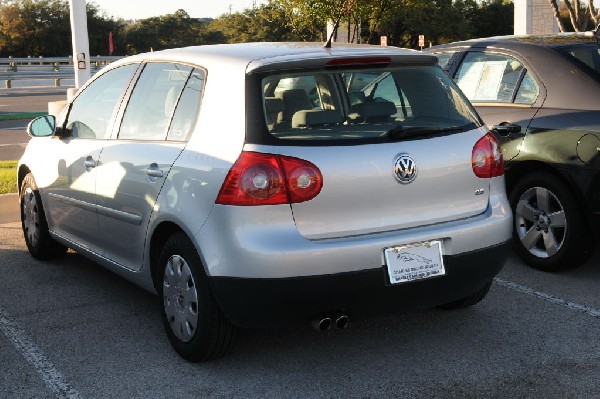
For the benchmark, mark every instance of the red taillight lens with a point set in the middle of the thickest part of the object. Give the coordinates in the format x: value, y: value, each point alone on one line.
x: 487, y: 157
x: 268, y: 179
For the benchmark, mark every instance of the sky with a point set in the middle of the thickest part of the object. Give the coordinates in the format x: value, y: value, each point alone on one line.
x: 140, y: 9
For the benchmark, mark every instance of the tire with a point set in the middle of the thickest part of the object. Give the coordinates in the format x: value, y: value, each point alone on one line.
x: 469, y: 300
x: 194, y: 323
x: 549, y: 232
x: 33, y: 222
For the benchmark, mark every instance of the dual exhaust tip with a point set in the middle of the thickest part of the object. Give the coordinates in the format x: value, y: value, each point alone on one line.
x: 325, y: 323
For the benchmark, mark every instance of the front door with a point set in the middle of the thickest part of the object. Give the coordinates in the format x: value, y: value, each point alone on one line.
x: 83, y: 132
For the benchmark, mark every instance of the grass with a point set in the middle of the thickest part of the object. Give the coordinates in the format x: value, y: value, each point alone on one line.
x: 13, y: 116
x: 8, y: 177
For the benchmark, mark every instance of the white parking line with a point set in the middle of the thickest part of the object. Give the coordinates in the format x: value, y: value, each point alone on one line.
x: 53, y: 379
x: 548, y: 297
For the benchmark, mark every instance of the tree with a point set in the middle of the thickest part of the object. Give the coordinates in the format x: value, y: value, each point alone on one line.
x: 43, y: 28
x: 265, y: 23
x: 580, y: 14
x: 166, y: 31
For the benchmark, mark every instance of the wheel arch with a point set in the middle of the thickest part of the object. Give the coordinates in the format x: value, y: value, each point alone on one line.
x: 22, y: 172
x: 522, y: 169
x: 161, y: 233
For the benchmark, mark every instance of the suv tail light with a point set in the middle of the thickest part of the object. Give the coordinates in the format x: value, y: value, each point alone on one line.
x: 268, y: 179
x: 487, y: 157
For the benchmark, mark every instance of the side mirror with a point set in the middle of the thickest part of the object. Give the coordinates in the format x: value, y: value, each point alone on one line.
x: 42, y: 126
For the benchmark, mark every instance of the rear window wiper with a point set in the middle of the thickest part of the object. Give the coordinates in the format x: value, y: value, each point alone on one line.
x: 401, y: 132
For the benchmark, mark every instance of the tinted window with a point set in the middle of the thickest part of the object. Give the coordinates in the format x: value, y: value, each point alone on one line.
x: 153, y: 101
x: 528, y: 90
x: 365, y: 104
x: 92, y: 111
x: 494, y: 78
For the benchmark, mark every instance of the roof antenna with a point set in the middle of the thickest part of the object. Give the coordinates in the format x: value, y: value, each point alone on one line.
x: 333, y: 32
x: 335, y: 27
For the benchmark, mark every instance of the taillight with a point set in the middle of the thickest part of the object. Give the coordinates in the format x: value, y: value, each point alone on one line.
x: 487, y: 157
x: 269, y: 179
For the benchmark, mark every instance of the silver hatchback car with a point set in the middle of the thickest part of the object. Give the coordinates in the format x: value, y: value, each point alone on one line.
x: 272, y: 184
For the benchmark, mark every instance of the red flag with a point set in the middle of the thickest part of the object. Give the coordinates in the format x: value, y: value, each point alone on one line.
x: 111, y: 45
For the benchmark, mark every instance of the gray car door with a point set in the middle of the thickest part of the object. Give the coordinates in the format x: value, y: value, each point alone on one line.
x: 71, y: 197
x: 133, y: 167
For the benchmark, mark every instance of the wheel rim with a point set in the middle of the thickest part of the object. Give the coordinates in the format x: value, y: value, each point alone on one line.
x: 540, y: 222
x: 180, y: 297
x: 31, y: 217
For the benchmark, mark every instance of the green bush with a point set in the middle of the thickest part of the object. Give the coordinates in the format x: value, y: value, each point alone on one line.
x: 8, y: 177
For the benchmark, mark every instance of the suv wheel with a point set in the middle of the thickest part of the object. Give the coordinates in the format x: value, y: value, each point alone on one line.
x: 35, y: 227
x: 549, y: 231
x: 195, y: 325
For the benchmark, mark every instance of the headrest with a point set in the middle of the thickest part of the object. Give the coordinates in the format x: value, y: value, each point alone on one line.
x: 316, y: 117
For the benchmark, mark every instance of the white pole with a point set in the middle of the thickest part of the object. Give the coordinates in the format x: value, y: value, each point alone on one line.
x: 81, y: 44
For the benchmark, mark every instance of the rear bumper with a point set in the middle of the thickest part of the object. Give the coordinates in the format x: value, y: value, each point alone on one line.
x: 283, y: 302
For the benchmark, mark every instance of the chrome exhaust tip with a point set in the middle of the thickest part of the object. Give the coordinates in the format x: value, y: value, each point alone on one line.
x: 322, y: 324
x: 342, y: 321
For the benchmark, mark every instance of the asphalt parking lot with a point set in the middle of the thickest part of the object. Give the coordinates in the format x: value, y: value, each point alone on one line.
x: 70, y: 329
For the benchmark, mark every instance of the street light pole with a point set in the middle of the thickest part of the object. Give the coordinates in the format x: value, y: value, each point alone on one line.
x: 80, y: 40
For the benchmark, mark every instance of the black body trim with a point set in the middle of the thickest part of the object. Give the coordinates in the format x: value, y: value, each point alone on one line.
x: 287, y: 302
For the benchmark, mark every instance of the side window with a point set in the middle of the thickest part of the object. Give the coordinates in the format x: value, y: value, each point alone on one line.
x: 187, y: 108
x: 492, y: 78
x: 443, y: 59
x: 92, y: 111
x: 153, y: 101
x: 528, y: 91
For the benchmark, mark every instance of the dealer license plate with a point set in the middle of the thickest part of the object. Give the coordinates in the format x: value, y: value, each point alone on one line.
x: 412, y: 262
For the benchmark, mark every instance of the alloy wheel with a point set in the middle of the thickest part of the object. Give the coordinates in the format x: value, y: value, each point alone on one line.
x: 540, y: 222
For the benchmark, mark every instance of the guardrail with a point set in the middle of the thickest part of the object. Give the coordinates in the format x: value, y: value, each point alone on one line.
x: 46, y: 68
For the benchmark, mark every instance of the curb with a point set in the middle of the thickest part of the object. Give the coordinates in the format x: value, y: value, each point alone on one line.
x: 9, y: 208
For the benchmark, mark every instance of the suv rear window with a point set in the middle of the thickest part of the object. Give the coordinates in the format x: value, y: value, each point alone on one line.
x: 405, y: 101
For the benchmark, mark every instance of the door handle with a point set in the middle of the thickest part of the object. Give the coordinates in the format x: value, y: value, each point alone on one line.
x: 154, y: 171
x: 89, y: 163
x: 506, y: 128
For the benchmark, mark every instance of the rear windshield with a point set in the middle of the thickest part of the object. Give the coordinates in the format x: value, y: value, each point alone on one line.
x: 373, y: 105
x: 587, y: 56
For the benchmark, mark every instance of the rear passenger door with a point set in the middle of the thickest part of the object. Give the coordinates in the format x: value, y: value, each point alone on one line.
x: 504, y: 92
x: 153, y: 131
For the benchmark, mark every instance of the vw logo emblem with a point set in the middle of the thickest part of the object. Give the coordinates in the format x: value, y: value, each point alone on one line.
x: 405, y: 169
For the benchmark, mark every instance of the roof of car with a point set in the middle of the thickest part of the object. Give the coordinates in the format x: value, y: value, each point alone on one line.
x: 553, y: 40
x: 255, y: 56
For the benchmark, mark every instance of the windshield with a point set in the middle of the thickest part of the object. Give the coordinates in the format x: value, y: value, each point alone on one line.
x: 587, y: 56
x: 364, y: 104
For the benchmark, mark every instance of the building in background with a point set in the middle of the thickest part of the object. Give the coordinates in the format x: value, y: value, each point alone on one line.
x: 534, y: 17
